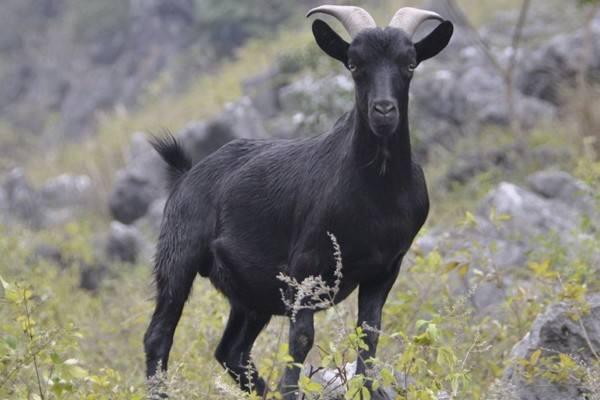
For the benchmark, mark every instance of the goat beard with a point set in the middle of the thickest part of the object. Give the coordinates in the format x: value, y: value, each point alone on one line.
x: 384, y: 154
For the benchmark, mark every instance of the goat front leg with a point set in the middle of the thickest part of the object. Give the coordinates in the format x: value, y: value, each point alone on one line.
x: 302, y: 335
x: 371, y: 299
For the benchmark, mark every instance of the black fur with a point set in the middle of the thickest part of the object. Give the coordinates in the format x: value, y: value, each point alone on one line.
x: 257, y: 208
x: 178, y: 162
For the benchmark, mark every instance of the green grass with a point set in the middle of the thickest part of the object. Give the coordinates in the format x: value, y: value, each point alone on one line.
x: 451, y: 346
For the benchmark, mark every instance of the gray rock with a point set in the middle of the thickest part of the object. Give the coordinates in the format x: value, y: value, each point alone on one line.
x: 556, y: 332
x: 66, y: 191
x: 461, y: 37
x: 94, y: 91
x: 91, y: 276
x: 154, y: 216
x: 3, y: 202
x: 437, y: 95
x: 59, y: 200
x: 470, y: 165
x: 529, y: 214
x: 263, y: 89
x: 139, y: 184
x: 142, y: 181
x: 557, y: 63
x: 507, y: 228
x: 14, y: 84
x: 313, y: 105
x: 243, y: 119
x: 21, y: 201
x: 460, y: 100
x: 50, y: 253
x: 199, y: 139
x: 123, y: 243
x: 561, y: 186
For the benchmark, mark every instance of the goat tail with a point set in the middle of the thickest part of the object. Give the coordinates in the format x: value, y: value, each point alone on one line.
x: 170, y: 150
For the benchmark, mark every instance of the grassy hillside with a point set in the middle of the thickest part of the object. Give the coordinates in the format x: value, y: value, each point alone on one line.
x: 60, y: 342
x: 89, y: 345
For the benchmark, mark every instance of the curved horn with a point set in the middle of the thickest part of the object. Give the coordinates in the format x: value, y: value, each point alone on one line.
x: 354, y: 19
x: 409, y: 19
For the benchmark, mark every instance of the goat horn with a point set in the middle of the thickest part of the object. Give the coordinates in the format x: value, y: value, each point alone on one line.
x: 409, y: 19
x: 354, y: 19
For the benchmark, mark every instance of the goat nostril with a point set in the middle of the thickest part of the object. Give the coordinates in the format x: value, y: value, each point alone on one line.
x: 384, y: 107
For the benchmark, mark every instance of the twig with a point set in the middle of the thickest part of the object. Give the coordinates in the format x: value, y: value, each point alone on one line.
x: 482, y: 44
x: 507, y: 73
x: 31, y: 339
x: 583, y: 329
x: 585, y: 113
x: 512, y: 64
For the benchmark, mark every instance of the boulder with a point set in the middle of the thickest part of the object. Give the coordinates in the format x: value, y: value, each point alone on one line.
x: 507, y: 228
x: 561, y: 186
x: 557, y: 332
x: 199, y: 139
x: 557, y: 63
x: 66, y: 191
x: 448, y: 102
x: 142, y: 181
x: 123, y: 243
x: 528, y: 214
x: 263, y: 89
x: 314, y: 104
x: 21, y: 201
x: 243, y: 119
x: 58, y: 201
x: 139, y: 184
x: 153, y: 218
x: 91, y: 276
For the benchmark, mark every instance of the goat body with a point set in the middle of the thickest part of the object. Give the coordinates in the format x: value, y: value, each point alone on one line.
x: 261, y: 207
x: 256, y: 209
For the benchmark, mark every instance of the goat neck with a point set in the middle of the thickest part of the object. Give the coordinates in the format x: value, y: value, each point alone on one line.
x: 387, y: 158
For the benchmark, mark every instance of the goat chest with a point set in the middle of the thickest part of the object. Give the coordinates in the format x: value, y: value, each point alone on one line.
x: 375, y: 230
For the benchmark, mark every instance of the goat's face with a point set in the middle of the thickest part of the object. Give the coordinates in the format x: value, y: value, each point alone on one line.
x: 382, y: 62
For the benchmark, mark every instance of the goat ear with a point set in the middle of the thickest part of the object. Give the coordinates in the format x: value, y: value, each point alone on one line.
x: 330, y: 42
x: 435, y: 42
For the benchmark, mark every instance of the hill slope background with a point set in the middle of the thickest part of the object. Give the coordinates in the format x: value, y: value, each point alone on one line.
x: 514, y: 192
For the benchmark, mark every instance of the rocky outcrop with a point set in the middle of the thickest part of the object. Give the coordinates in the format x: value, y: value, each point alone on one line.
x: 123, y: 243
x: 59, y: 200
x: 142, y: 182
x: 556, y: 64
x: 107, y: 60
x: 139, y: 183
x: 557, y: 332
x: 511, y: 223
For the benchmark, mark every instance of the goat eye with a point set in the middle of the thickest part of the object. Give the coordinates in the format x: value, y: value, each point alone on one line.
x: 351, y: 67
x: 412, y: 67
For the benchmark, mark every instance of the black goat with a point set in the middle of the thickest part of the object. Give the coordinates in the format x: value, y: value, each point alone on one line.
x: 257, y: 208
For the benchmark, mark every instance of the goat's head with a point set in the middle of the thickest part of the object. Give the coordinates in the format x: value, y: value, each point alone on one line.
x: 381, y: 61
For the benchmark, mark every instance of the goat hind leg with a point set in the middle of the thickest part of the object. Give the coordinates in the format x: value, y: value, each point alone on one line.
x: 233, y: 351
x: 174, y: 281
